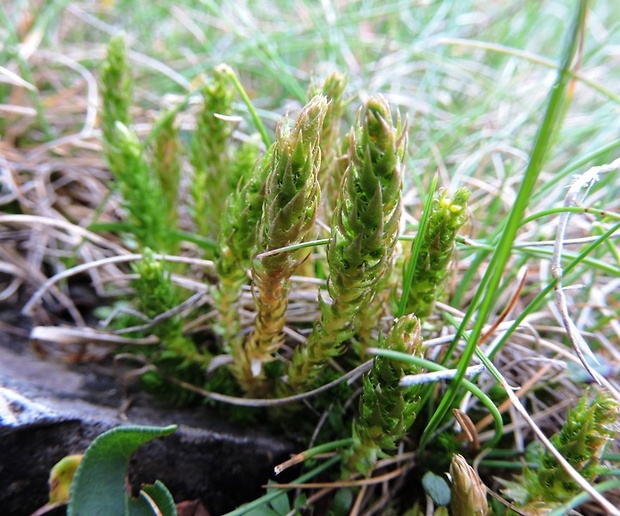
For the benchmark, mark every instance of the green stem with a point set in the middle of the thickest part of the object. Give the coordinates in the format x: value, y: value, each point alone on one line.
x: 260, y: 502
x: 246, y: 99
x: 326, y: 447
x: 571, y: 209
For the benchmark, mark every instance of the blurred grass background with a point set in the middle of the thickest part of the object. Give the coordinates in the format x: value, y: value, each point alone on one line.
x: 471, y: 76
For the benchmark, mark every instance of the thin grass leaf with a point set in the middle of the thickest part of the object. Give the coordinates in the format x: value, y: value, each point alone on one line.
x: 484, y: 298
x: 416, y: 246
x: 226, y: 70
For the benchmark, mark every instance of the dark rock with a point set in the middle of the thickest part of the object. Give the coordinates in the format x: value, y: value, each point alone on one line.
x: 49, y: 410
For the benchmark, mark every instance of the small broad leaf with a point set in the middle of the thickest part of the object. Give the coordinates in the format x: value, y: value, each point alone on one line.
x: 159, y: 494
x: 99, y: 483
x: 343, y: 500
x: 437, y: 488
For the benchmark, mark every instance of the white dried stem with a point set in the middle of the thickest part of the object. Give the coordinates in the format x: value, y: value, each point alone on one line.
x: 580, y: 346
x: 68, y: 336
x: 36, y: 297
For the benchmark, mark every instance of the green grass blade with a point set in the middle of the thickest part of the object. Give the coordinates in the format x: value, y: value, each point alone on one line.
x: 415, y: 249
x: 485, y: 297
x: 259, y: 502
x: 246, y: 99
x: 581, y: 498
x: 471, y: 387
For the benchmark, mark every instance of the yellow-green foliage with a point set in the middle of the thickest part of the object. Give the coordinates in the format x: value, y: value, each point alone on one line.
x: 588, y: 429
x: 176, y: 355
x: 165, y: 161
x: 363, y: 235
x: 386, y: 410
x: 210, y: 155
x: 242, y: 214
x: 156, y: 294
x: 140, y: 188
x: 116, y: 86
x: 252, y: 206
x: 330, y: 176
x: 289, y: 212
x: 446, y: 218
x: 141, y: 192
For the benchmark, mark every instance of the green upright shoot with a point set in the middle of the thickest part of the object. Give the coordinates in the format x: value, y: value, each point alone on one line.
x: 364, y: 233
x: 436, y: 251
x: 386, y: 410
x: 210, y: 154
x: 241, y: 217
x: 289, y: 211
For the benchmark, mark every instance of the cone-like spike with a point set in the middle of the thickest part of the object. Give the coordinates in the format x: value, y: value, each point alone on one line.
x: 363, y: 235
x: 290, y: 206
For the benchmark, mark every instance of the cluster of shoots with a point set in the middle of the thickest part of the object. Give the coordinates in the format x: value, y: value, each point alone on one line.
x: 364, y: 232
x: 262, y: 208
x: 293, y: 273
x: 307, y: 295
x: 259, y: 207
